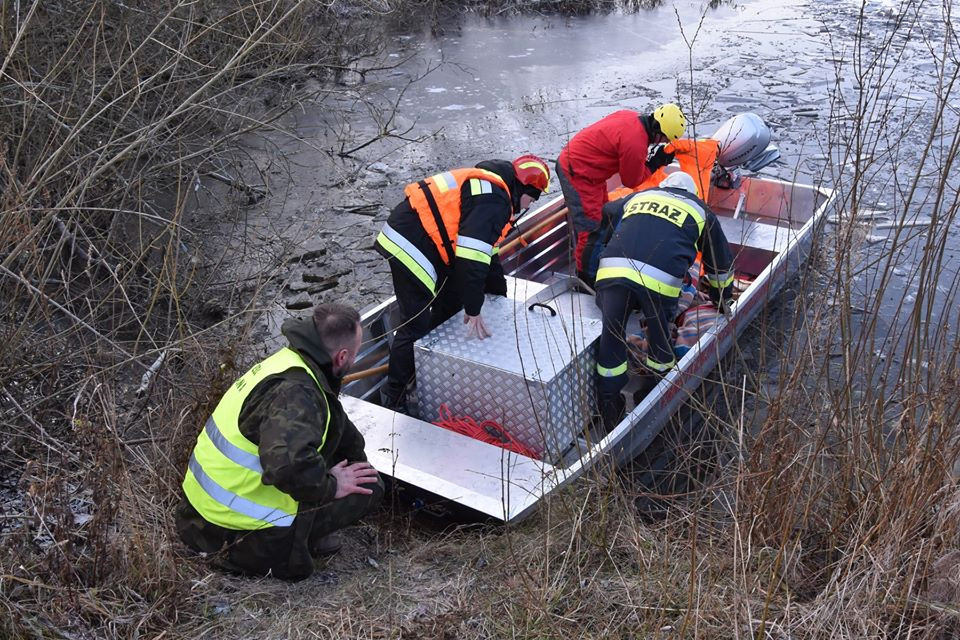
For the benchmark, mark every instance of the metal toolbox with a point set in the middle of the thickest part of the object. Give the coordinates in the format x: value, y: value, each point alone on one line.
x: 535, y: 376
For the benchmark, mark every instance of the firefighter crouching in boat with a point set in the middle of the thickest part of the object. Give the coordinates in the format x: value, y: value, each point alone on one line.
x: 615, y: 144
x: 442, y: 243
x: 696, y: 157
x: 279, y: 466
x: 660, y: 233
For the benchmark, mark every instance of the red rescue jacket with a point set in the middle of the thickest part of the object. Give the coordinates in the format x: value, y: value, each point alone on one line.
x: 615, y: 144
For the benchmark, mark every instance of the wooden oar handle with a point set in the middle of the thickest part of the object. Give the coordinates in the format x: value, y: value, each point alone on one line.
x: 553, y: 217
x: 366, y: 373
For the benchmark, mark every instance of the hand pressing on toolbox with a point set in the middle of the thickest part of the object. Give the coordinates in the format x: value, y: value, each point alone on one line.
x: 476, y: 327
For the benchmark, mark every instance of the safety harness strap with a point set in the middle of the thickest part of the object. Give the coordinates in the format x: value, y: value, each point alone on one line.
x: 441, y: 227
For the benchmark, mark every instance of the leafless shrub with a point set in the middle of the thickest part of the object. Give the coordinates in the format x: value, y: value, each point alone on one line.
x: 111, y: 115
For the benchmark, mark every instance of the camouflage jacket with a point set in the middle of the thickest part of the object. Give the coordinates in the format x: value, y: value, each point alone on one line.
x: 285, y: 416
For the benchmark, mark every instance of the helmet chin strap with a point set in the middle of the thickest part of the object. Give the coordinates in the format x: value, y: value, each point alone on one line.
x: 534, y: 193
x: 651, y: 125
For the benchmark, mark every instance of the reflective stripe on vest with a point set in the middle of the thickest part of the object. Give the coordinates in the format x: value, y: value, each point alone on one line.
x: 409, y: 256
x: 640, y: 273
x: 667, y: 206
x: 446, y: 188
x: 444, y: 181
x: 224, y: 480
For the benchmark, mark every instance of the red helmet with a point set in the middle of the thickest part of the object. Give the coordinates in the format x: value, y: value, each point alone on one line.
x: 532, y: 171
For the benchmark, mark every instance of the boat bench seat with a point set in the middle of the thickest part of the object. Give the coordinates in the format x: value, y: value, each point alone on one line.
x: 481, y: 476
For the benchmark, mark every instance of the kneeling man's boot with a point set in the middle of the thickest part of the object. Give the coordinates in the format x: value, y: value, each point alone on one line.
x: 327, y: 545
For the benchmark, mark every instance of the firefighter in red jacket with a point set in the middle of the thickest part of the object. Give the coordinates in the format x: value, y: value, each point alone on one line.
x: 660, y: 233
x: 616, y: 144
x: 442, y: 243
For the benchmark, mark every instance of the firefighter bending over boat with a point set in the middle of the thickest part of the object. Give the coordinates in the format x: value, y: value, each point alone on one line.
x: 660, y: 233
x: 615, y: 144
x: 442, y: 243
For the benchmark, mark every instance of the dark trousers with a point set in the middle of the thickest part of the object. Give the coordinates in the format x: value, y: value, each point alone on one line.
x: 420, y: 313
x: 616, y: 304
x: 283, y: 552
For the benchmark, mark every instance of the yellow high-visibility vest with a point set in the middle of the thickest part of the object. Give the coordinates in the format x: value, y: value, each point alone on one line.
x: 224, y: 479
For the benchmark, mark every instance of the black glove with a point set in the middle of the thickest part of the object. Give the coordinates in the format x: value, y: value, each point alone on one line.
x: 659, y: 159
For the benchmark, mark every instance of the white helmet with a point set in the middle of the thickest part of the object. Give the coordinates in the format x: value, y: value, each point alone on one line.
x: 742, y: 138
x: 680, y: 180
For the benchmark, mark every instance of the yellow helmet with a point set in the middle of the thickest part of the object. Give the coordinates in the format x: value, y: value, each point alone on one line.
x: 671, y: 120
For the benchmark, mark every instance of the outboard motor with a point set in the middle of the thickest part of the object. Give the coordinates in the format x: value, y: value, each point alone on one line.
x: 744, y: 142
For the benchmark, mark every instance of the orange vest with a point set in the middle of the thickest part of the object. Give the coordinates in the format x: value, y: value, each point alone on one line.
x: 445, y: 188
x: 696, y: 157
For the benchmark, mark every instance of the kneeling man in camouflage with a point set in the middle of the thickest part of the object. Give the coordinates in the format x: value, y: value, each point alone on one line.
x: 279, y: 466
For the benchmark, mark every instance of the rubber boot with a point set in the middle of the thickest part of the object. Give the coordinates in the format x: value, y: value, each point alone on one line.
x: 394, y: 403
x: 327, y: 545
x: 611, y: 410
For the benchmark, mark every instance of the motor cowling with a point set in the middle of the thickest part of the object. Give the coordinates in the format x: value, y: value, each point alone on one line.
x: 741, y: 139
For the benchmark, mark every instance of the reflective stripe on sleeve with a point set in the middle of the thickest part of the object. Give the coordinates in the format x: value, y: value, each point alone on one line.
x: 236, y: 503
x: 613, y: 372
x: 473, y: 249
x: 472, y: 254
x: 641, y: 273
x: 473, y: 243
x: 478, y: 186
x: 719, y: 280
x: 408, y: 255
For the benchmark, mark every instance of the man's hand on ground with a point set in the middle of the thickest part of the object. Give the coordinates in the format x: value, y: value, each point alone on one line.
x: 351, y: 476
x: 476, y: 327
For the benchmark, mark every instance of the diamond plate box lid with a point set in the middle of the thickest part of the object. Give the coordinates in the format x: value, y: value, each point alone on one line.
x: 534, y: 345
x: 534, y: 376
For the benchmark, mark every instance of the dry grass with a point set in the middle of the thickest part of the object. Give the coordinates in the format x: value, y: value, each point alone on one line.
x: 111, y: 116
x: 829, y: 507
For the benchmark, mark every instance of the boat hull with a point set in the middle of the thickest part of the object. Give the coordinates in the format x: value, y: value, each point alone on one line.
x: 773, y: 227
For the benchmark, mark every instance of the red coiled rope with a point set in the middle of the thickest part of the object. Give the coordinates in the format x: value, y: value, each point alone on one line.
x: 487, y: 431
